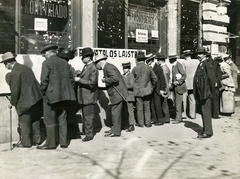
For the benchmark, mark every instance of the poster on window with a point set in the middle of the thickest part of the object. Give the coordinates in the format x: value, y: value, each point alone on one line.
x: 141, y: 36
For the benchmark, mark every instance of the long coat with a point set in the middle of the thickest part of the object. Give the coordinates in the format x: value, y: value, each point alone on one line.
x: 204, y: 80
x: 129, y: 81
x: 57, y: 80
x: 88, y: 85
x: 144, y: 79
x: 25, y: 89
x: 181, y: 87
x: 190, y: 68
x: 114, y: 79
x: 161, y: 83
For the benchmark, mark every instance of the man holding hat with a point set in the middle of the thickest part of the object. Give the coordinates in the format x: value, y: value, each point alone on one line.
x: 145, y: 80
x: 57, y: 88
x: 178, y: 86
x: 26, y: 96
x: 87, y: 92
x: 203, y: 88
x: 117, y: 92
x: 129, y: 81
x: 158, y: 92
x: 188, y: 97
x: 166, y: 72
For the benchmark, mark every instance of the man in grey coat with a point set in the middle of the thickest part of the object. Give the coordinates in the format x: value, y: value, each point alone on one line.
x: 26, y: 96
x: 57, y: 87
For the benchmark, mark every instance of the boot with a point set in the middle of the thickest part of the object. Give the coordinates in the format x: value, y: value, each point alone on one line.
x: 130, y: 129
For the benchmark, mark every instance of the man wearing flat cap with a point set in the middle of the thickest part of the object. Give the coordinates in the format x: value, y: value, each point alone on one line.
x: 145, y: 80
x: 117, y: 92
x: 129, y: 81
x: 57, y: 88
x: 178, y: 86
x: 87, y: 92
x: 26, y: 96
x: 203, y: 88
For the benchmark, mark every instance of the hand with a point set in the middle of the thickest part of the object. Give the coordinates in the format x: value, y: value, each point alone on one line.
x: 103, y: 80
x: 175, y: 83
x: 76, y: 79
x: 162, y: 92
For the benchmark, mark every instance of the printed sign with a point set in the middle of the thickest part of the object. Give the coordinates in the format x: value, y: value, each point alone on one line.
x: 40, y: 24
x: 141, y: 35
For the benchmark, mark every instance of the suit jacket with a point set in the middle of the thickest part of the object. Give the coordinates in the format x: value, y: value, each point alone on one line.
x: 178, y: 70
x: 204, y: 80
x: 161, y: 83
x: 114, y: 79
x: 25, y: 89
x: 217, y: 72
x: 234, y: 72
x: 57, y: 81
x: 190, y: 68
x: 129, y: 81
x: 144, y: 78
x: 88, y: 85
x: 166, y: 72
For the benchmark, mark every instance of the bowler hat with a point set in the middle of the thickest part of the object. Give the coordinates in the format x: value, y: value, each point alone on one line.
x: 171, y: 57
x: 187, y: 52
x: 66, y: 54
x: 49, y: 47
x: 201, y: 50
x: 99, y: 58
x: 140, y: 56
x: 126, y: 65
x: 149, y: 57
x: 7, y: 56
x: 87, y: 51
x: 160, y: 57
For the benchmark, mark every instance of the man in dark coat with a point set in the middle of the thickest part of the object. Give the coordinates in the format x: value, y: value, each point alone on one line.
x: 26, y: 96
x: 145, y: 80
x: 57, y: 87
x: 129, y: 81
x: 204, y: 86
x: 87, y: 92
x: 158, y: 92
x: 117, y: 92
x: 178, y: 86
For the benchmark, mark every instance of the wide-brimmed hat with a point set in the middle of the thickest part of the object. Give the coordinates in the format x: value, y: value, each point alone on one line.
x: 172, y: 57
x: 49, y: 47
x: 99, y: 58
x: 149, y: 57
x: 7, y: 56
x: 140, y: 56
x: 158, y: 56
x: 87, y: 51
x: 201, y: 50
x: 187, y: 52
x: 66, y: 54
x: 126, y: 65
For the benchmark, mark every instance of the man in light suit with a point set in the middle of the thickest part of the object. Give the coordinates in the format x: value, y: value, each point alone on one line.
x: 87, y: 91
x: 57, y: 86
x: 117, y: 92
x: 145, y: 80
x: 188, y: 97
x: 178, y: 86
x: 26, y: 96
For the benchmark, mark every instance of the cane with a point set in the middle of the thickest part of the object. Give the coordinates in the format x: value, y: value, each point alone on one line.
x: 10, y: 107
x: 123, y: 98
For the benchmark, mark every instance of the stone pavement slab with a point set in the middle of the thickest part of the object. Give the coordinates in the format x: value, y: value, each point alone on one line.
x: 171, y: 151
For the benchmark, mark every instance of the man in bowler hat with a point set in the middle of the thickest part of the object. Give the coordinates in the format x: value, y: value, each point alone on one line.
x: 57, y: 88
x: 26, y: 96
x: 87, y: 91
x: 117, y: 92
x: 204, y: 86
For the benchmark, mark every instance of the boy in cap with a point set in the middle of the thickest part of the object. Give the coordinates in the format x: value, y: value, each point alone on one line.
x: 26, y: 96
x: 129, y: 81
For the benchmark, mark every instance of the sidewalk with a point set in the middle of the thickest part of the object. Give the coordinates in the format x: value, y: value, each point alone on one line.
x: 171, y: 151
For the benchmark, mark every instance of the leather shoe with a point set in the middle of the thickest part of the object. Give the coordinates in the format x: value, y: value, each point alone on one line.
x: 111, y: 135
x: 138, y: 125
x: 176, y: 122
x: 149, y: 125
x: 203, y: 136
x: 63, y: 146
x: 130, y: 129
x: 109, y: 131
x: 217, y: 117
x: 87, y: 139
x: 19, y: 145
x: 158, y: 124
x: 44, y: 147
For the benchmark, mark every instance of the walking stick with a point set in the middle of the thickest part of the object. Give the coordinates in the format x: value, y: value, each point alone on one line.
x: 10, y: 107
x: 123, y: 98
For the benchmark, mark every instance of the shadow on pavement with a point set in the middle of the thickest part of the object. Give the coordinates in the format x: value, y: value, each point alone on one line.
x: 195, y: 127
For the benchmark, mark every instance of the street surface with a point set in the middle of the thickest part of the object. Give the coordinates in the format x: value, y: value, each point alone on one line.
x: 171, y: 151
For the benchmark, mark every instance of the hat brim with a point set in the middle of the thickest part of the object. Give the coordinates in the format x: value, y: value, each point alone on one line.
x: 66, y: 56
x: 8, y: 59
x: 98, y: 60
x: 54, y: 47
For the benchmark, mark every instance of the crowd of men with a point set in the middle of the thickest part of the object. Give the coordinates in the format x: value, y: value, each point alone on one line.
x: 142, y: 91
